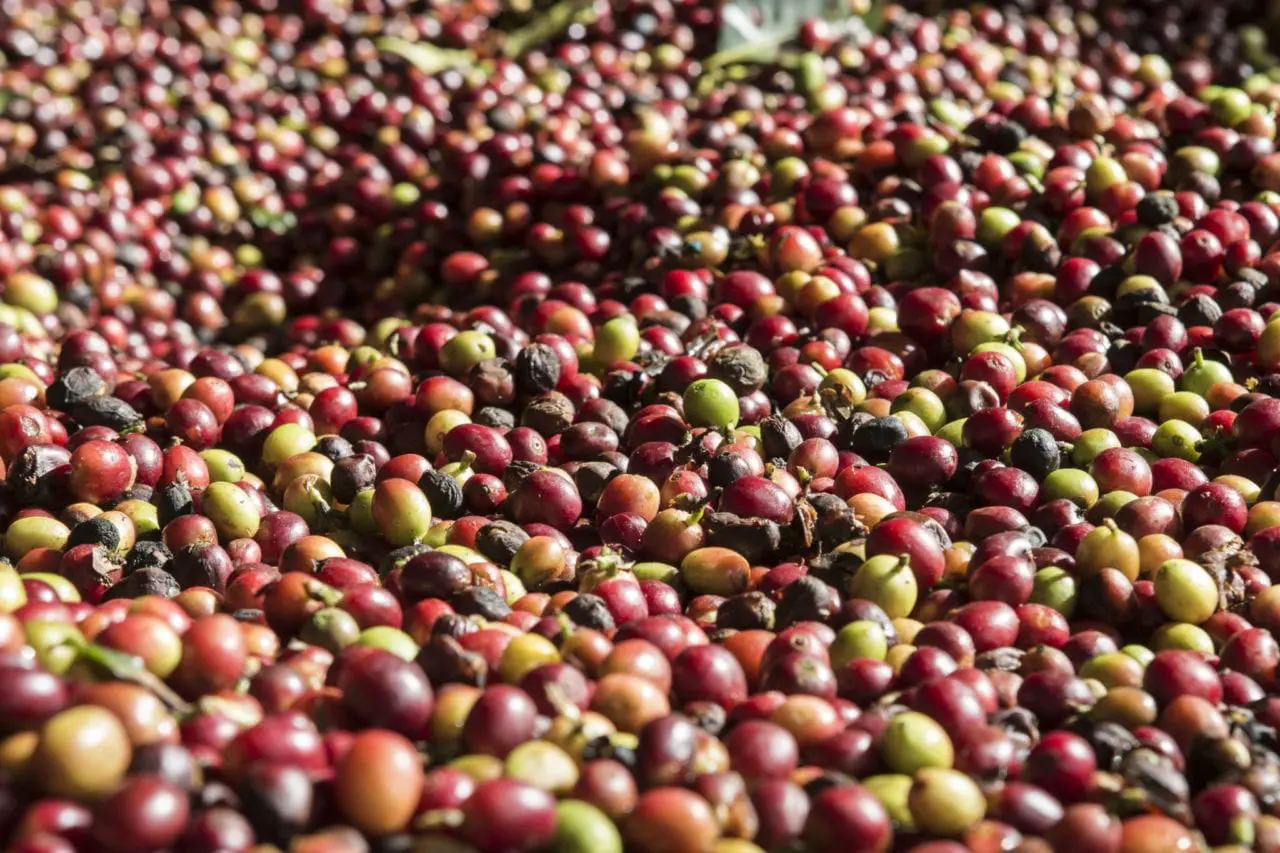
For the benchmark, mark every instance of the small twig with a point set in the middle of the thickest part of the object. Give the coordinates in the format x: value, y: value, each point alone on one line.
x: 545, y: 27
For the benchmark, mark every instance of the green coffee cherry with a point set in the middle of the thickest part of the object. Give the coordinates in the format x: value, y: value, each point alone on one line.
x: 914, y: 741
x: 618, y: 340
x: 711, y: 403
x: 232, y: 511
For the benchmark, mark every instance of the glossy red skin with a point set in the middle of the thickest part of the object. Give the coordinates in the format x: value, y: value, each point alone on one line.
x: 1178, y: 673
x: 867, y: 479
x: 756, y: 497
x: 921, y: 546
x: 1062, y: 764
x: 502, y: 718
x: 920, y: 462
x: 707, y: 672
x: 287, y: 739
x: 507, y: 815
x: 847, y: 815
x: 147, y: 812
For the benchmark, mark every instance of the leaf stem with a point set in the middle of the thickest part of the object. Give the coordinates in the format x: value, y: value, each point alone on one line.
x: 546, y: 26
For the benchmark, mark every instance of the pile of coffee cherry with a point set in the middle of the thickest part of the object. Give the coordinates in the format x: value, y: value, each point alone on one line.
x: 483, y: 427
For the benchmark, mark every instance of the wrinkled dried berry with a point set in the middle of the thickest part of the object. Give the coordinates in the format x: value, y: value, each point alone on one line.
x: 752, y: 611
x: 537, y: 369
x: 148, y: 580
x: 351, y: 476
x: 549, y: 414
x: 589, y: 611
x: 779, y: 437
x: 106, y: 411
x: 75, y: 386
x: 147, y: 555
x: 480, y: 601
x: 741, y: 368
x: 443, y: 492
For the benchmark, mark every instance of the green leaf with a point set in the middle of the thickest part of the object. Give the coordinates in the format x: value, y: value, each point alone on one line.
x: 427, y: 58
x: 755, y: 53
x: 874, y: 19
x: 126, y: 667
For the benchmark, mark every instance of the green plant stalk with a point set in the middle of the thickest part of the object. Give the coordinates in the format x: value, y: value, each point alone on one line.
x: 546, y: 26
